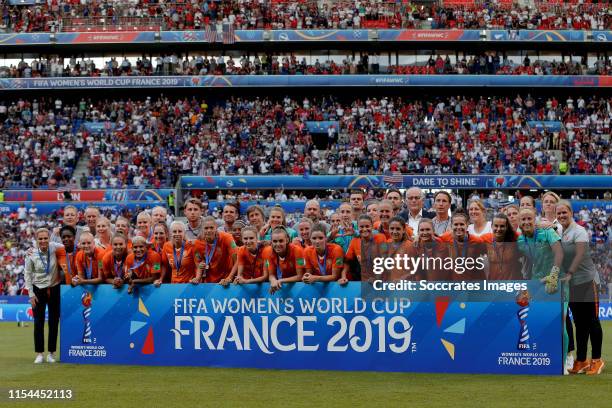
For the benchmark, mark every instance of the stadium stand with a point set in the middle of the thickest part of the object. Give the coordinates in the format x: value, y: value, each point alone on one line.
x: 150, y: 142
x: 140, y: 15
x: 489, y: 63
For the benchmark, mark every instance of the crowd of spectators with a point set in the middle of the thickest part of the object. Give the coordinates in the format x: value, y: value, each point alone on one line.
x: 271, y: 64
x: 494, y: 64
x: 541, y: 16
x: 37, y: 144
x: 151, y: 142
x: 57, y: 15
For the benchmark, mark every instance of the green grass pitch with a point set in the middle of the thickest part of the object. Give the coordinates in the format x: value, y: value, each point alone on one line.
x: 136, y: 387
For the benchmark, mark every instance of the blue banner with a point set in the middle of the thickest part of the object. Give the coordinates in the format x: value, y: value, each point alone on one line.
x: 537, y: 35
x: 98, y: 127
x: 550, y: 125
x: 261, y: 36
x: 25, y: 2
x: 322, y: 126
x: 320, y: 326
x: 602, y: 36
x: 403, y: 181
x: 605, y: 311
x: 552, y: 35
x: 316, y: 35
x: 366, y: 35
x: 12, y: 312
x: 14, y: 299
x: 224, y: 81
x: 49, y: 208
x: 429, y: 35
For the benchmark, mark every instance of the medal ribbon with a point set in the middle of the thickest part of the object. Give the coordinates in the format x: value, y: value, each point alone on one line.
x: 46, y: 265
x: 68, y: 260
x: 118, y: 270
x: 178, y: 261
x: 209, y: 254
x: 323, y: 266
x: 88, y: 269
x: 279, y: 273
x: 499, y: 254
x: 466, y: 245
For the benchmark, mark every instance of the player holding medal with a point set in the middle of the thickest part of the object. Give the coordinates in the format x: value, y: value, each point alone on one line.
x: 215, y: 253
x: 88, y: 262
x: 250, y: 258
x: 143, y: 265
x: 284, y: 262
x: 178, y: 257
x: 113, y: 263
x: 324, y: 261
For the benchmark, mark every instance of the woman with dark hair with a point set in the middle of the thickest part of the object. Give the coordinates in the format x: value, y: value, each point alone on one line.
x: 400, y: 244
x: 304, y: 228
x: 114, y: 262
x: 283, y: 261
x: 512, y: 211
x: 161, y: 235
x: 359, y: 259
x: 237, y: 232
x: 324, y: 260
x: 463, y: 246
x: 502, y: 251
x: 432, y: 251
x: 344, y: 233
x: 67, y: 254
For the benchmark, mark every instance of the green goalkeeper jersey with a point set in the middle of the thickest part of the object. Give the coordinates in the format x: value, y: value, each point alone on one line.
x: 538, y: 252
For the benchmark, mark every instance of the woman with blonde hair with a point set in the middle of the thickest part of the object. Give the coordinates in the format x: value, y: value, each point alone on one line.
x: 428, y: 246
x: 548, y: 218
x: 304, y: 228
x: 42, y: 282
x: 103, y: 234
x: 276, y: 218
x: 478, y: 218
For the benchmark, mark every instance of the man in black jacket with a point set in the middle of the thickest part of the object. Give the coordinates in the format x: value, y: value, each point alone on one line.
x: 414, y: 205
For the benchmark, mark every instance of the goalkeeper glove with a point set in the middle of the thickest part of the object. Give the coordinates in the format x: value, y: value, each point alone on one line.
x: 551, y: 281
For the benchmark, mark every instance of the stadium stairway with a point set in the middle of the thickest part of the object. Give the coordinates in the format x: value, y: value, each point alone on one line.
x: 82, y: 166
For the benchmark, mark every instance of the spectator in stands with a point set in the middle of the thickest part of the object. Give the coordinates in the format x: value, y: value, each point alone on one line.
x: 217, y: 16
